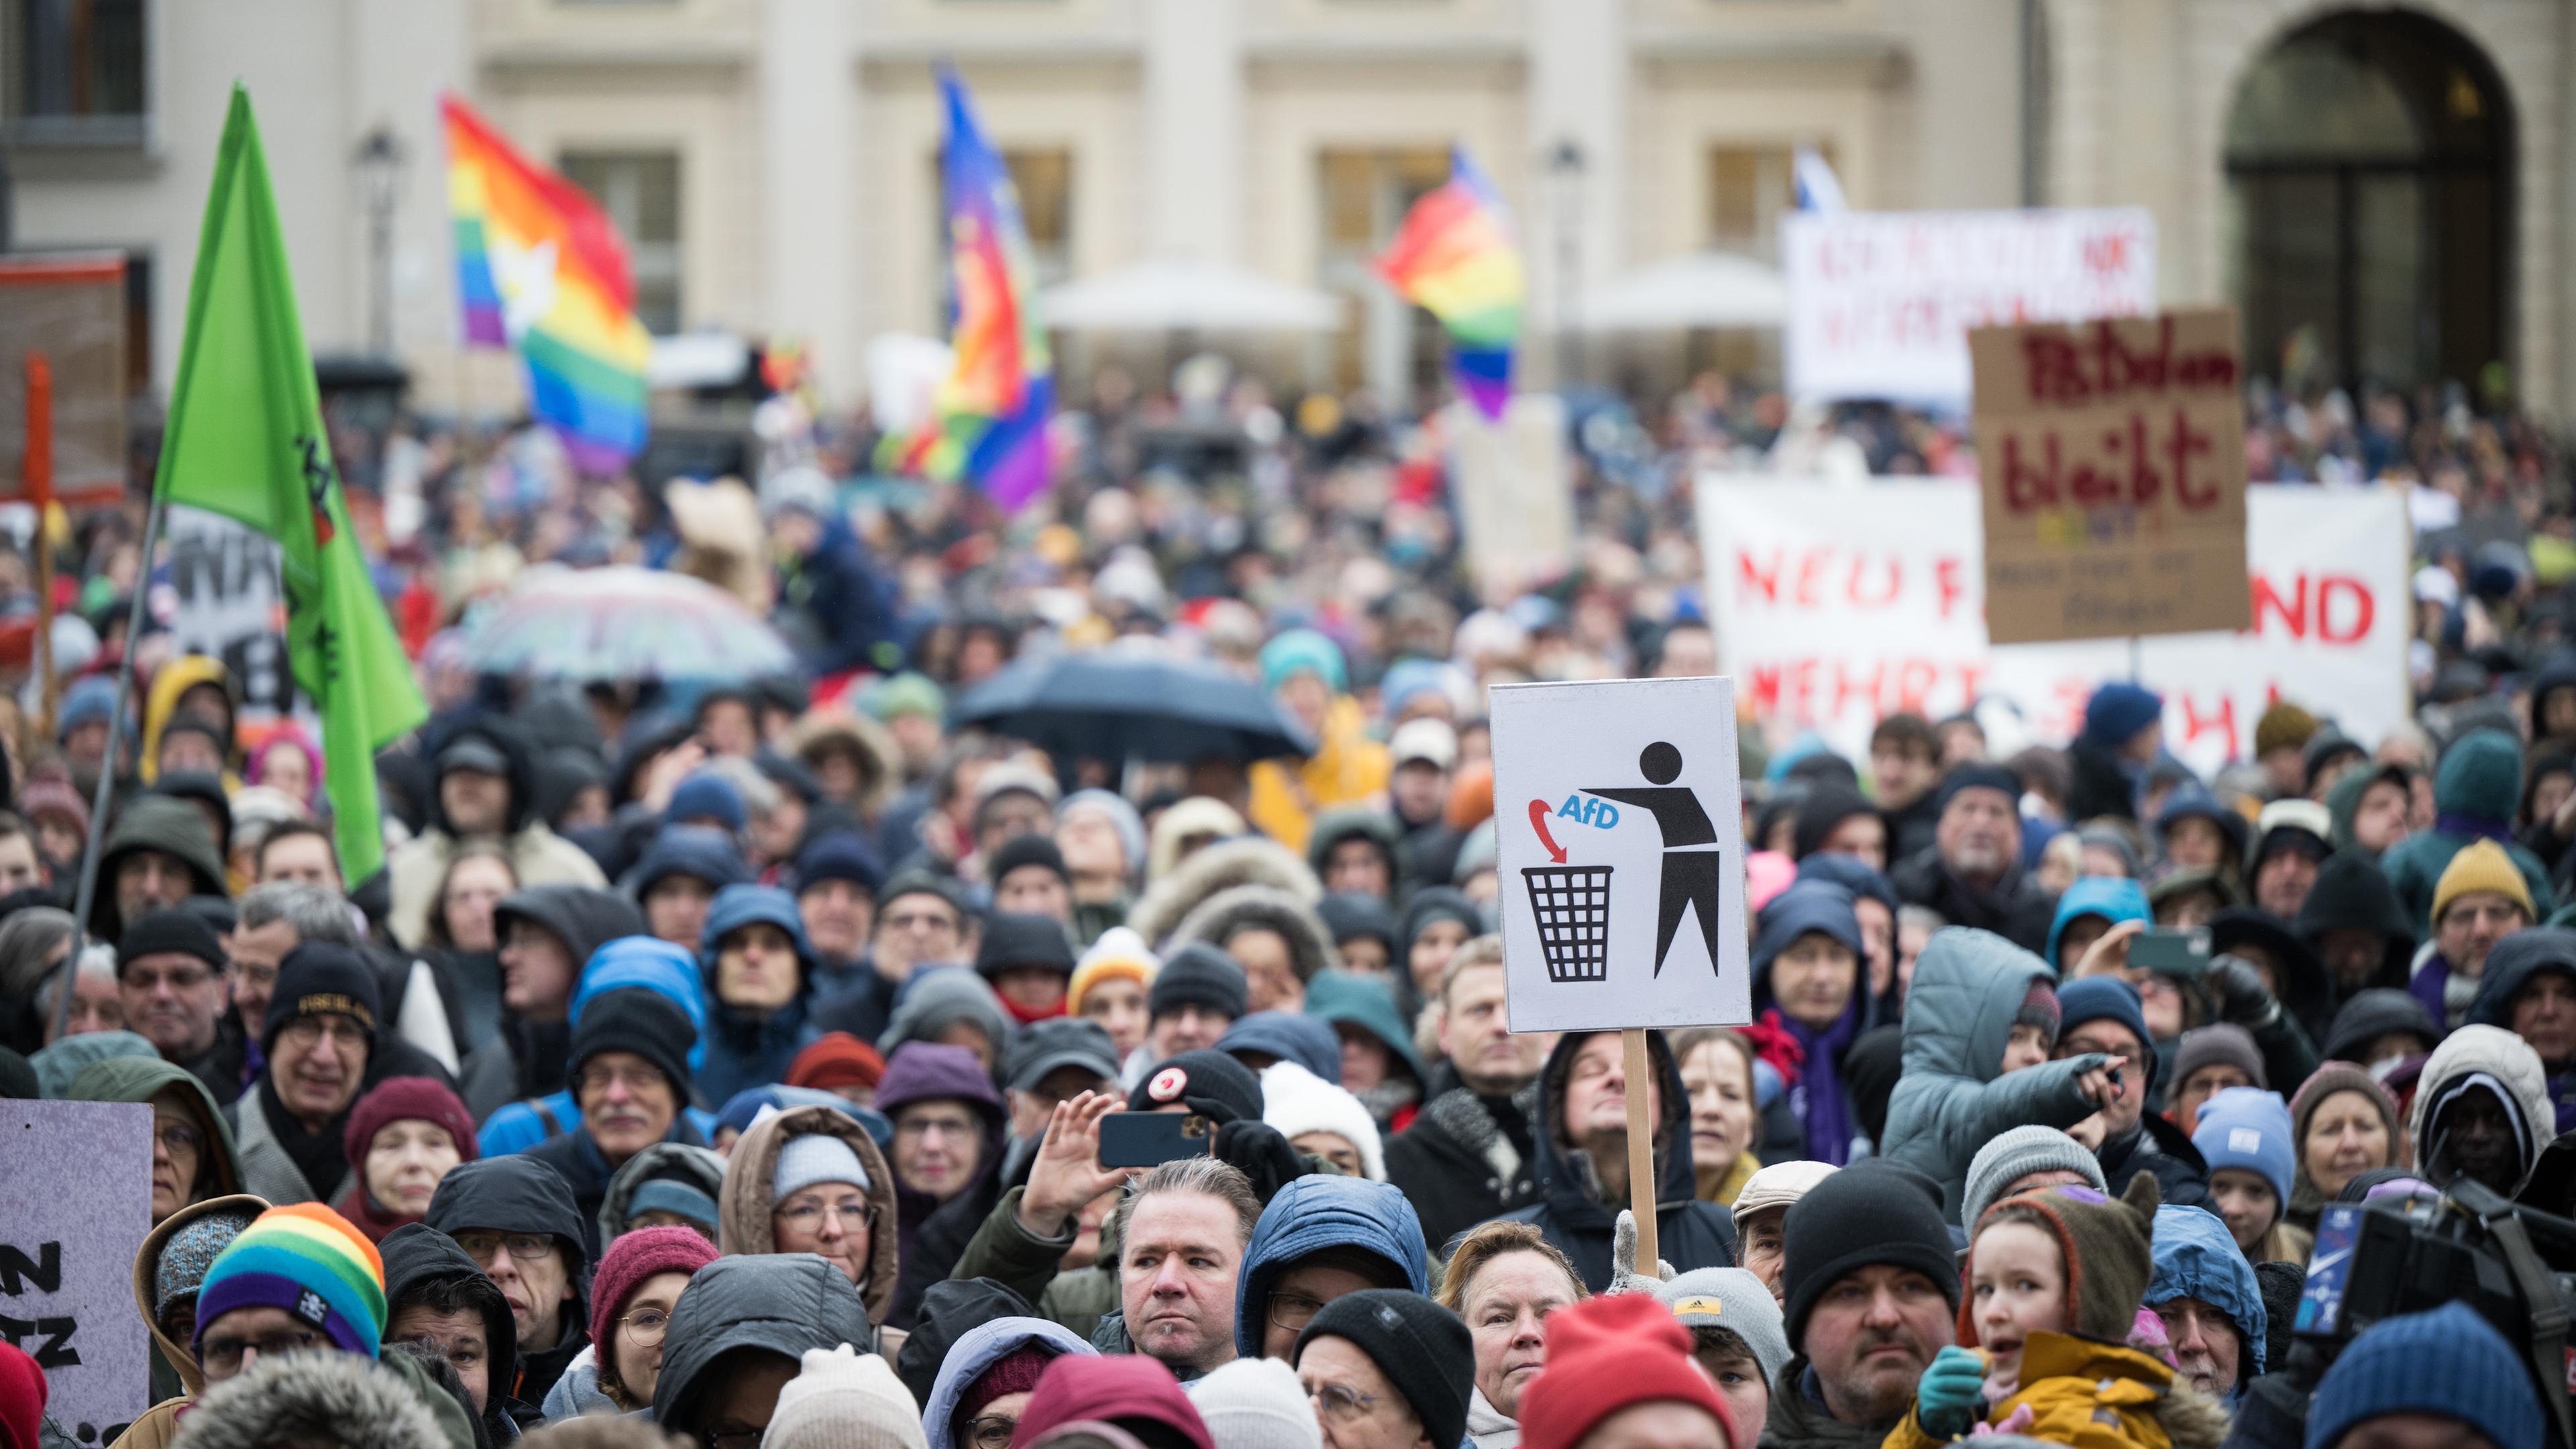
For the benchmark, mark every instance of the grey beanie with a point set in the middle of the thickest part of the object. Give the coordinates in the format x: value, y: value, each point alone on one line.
x: 1735, y: 1300
x: 2013, y: 1155
x: 812, y: 1158
x: 188, y: 1254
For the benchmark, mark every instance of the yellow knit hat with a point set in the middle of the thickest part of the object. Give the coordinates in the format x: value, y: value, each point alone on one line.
x: 2481, y: 866
x: 1119, y: 955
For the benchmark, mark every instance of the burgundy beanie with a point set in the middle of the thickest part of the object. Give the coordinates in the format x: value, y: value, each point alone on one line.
x: 1016, y: 1372
x: 634, y: 1257
x: 402, y: 1099
x: 1114, y: 1387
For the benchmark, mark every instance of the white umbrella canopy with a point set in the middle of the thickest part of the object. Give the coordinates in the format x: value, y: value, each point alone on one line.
x: 1171, y: 294
x: 1702, y: 290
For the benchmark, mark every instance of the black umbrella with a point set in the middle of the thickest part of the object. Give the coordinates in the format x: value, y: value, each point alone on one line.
x: 1121, y: 705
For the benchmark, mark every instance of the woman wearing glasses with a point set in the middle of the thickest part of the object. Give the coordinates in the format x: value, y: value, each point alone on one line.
x: 810, y: 1180
x: 985, y: 1381
x: 631, y: 1297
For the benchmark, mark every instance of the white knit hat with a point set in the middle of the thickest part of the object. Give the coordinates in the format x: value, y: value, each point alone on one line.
x: 1295, y: 1100
x: 1256, y: 1403
x: 844, y: 1399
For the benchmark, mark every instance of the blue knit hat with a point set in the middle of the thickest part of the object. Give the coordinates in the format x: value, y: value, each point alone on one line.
x: 2449, y: 1362
x: 707, y: 797
x: 2106, y: 998
x: 1298, y: 651
x: 2119, y: 710
x: 2248, y: 1127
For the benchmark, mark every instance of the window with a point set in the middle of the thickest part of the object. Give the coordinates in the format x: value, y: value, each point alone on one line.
x: 1749, y: 187
x: 74, y: 71
x: 1043, y: 177
x: 1364, y: 195
x: 640, y: 191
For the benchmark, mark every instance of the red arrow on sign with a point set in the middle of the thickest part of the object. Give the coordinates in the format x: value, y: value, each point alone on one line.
x: 1538, y: 822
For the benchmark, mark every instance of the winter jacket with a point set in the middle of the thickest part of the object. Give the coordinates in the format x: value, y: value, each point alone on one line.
x: 2475, y: 791
x: 588, y: 1172
x: 578, y: 1392
x: 783, y: 1302
x: 1952, y: 1097
x: 417, y: 1256
x: 515, y: 1195
x: 155, y: 822
x: 2196, y: 1257
x: 1356, y: 822
x: 538, y: 856
x: 2096, y: 1396
x: 140, y: 1079
x: 2018, y: 907
x: 387, y: 1403
x: 1346, y: 768
x: 1006, y: 1252
x: 686, y: 1162
x: 176, y: 1379
x: 2500, y: 1055
x: 2353, y: 894
x: 1309, y: 1215
x: 1336, y: 998
x: 743, y: 1203
x: 634, y: 960
x: 753, y: 1048
x: 934, y: 1232
x: 1176, y: 892
x: 1310, y: 946
x: 2156, y: 1146
x: 1692, y: 1234
x: 1458, y: 1165
x: 850, y: 603
x: 978, y: 1349
x: 2510, y: 967
x: 1800, y: 1420
x: 161, y: 706
x: 267, y: 1169
x: 584, y: 919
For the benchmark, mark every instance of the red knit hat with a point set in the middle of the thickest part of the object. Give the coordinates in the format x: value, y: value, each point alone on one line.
x: 836, y: 1059
x: 1608, y: 1354
x: 1016, y: 1372
x: 404, y: 1099
x: 635, y: 1256
x: 22, y: 1398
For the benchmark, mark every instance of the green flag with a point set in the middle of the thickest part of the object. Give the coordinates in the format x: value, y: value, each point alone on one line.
x: 245, y: 439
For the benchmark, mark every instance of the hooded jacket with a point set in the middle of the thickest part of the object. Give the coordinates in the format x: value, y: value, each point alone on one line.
x: 978, y: 1349
x: 2196, y: 1257
x: 821, y: 732
x: 934, y: 1233
x: 687, y: 1162
x: 744, y: 1200
x: 2475, y: 791
x: 1819, y: 1104
x: 2096, y: 1396
x: 2511, y: 966
x: 538, y: 856
x: 1179, y: 891
x: 1309, y: 1215
x: 174, y: 1360
x: 783, y: 1303
x: 161, y: 706
x: 2018, y: 907
x: 1692, y: 1234
x: 1953, y: 1096
x: 517, y: 1195
x: 525, y: 1059
x: 417, y: 1256
x: 2498, y: 1054
x: 937, y: 999
x: 747, y: 1048
x: 166, y: 824
x: 2353, y: 894
x: 2112, y: 898
x: 1259, y: 907
x: 140, y: 1079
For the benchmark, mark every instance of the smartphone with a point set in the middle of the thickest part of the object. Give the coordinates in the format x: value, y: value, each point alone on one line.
x: 2171, y: 951
x: 1143, y: 1139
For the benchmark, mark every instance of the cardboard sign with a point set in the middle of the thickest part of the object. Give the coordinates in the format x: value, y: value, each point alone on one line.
x: 1622, y: 854
x: 2113, y: 458
x: 217, y: 591
x: 71, y: 309
x: 1836, y: 604
x: 1515, y: 492
x: 1881, y: 303
x: 75, y: 1204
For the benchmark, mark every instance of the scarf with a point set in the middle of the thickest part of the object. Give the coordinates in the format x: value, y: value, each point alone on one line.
x: 317, y: 1155
x: 1818, y: 1098
x: 359, y: 1206
x: 1030, y: 1015
x: 2474, y: 828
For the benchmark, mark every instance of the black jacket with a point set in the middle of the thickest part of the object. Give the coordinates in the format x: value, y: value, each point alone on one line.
x: 423, y: 1264
x: 2353, y: 894
x: 1691, y: 1233
x: 1460, y: 1166
x: 943, y: 1236
x: 2157, y: 1146
x: 518, y: 1194
x: 2018, y: 909
x: 785, y: 1303
x: 1799, y: 1419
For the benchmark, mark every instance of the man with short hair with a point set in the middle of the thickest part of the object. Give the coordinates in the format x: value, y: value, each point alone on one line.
x: 299, y: 850
x: 1182, y: 1230
x: 629, y: 1073
x: 172, y: 979
x: 1872, y: 1296
x: 1972, y: 872
x: 515, y: 1218
x: 2209, y: 1300
x: 1582, y: 1167
x: 320, y: 1037
x: 274, y: 919
x: 1197, y: 994
x: 1904, y: 766
x: 1470, y: 1154
x: 485, y: 789
x: 438, y: 1300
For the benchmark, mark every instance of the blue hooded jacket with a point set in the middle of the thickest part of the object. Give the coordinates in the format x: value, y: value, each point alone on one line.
x: 627, y: 961
x: 747, y: 1048
x: 2113, y: 898
x: 1314, y: 1213
x: 1290, y: 1036
x: 2196, y: 1257
x: 978, y: 1349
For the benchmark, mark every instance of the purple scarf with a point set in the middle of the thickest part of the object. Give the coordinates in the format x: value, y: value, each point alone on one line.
x: 1818, y: 1096
x: 2475, y: 828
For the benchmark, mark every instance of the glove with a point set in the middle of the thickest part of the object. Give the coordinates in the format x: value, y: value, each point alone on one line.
x: 1624, y: 1277
x: 2240, y: 993
x: 1262, y: 1154
x: 1947, y: 1397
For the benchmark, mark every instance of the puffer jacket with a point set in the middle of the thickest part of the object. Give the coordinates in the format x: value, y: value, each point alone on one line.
x: 783, y: 1302
x: 1691, y: 1233
x: 748, y: 1048
x: 1309, y: 1215
x: 2510, y: 967
x: 1953, y: 1097
x: 2476, y: 789
x: 2510, y: 1061
x: 2196, y: 1257
x: 743, y: 1203
x: 699, y: 1167
x: 176, y: 1379
x: 978, y: 1349
x: 2096, y: 1396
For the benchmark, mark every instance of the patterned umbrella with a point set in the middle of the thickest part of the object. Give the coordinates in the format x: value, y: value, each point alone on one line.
x: 625, y: 623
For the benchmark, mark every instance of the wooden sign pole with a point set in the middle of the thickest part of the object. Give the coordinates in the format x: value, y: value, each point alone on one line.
x: 40, y: 494
x: 1641, y: 1146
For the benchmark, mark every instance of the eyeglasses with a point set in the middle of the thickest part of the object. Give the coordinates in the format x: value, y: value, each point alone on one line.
x: 920, y: 921
x: 526, y: 1247
x: 645, y: 1326
x: 178, y: 1137
x: 1293, y: 1311
x: 224, y: 1355
x: 992, y: 1431
x: 924, y: 1126
x: 809, y: 1215
x: 308, y: 1031
x: 1340, y: 1404
x: 637, y: 1079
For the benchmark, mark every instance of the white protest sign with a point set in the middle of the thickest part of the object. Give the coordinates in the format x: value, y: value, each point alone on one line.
x: 1836, y: 604
x: 1880, y: 303
x: 1622, y: 854
x: 219, y: 596
x: 75, y: 1204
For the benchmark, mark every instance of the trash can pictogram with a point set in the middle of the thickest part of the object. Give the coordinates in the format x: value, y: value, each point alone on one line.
x: 1572, y: 904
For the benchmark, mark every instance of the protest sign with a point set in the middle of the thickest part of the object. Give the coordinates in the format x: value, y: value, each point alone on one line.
x: 2113, y: 456
x: 218, y: 594
x: 1838, y: 603
x: 75, y: 1204
x: 69, y: 309
x: 1881, y: 303
x: 1515, y: 492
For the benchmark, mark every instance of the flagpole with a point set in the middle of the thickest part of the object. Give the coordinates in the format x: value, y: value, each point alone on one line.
x: 88, y: 894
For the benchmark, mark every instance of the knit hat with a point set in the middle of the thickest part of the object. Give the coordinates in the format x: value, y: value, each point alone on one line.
x: 2107, y: 998
x: 308, y: 1262
x: 1119, y: 955
x: 1607, y: 1354
x: 188, y: 1254
x: 2449, y: 1362
x: 2223, y: 1044
x: 2249, y: 1127
x: 171, y: 932
x: 836, y: 1059
x: 2117, y: 711
x: 672, y: 1195
x: 705, y: 796
x: 1022, y: 850
x: 1979, y: 777
x: 1207, y: 1081
x: 1735, y: 1300
x: 1421, y: 1347
x: 2481, y: 865
x: 1778, y: 1186
x: 1199, y: 974
x: 635, y: 1255
x: 2108, y: 1247
x: 2008, y: 1157
x: 1870, y: 1213
x: 1016, y: 1372
x: 1023, y: 940
x: 839, y: 855
x: 1117, y: 1388
x: 318, y: 979
x: 2324, y: 1082
x: 844, y: 1399
x: 812, y: 1158
x: 1299, y: 651
x: 639, y: 1020
x: 2039, y: 1008
x: 1122, y: 818
x: 2284, y: 726
x: 1255, y: 1403
x: 401, y: 1099
x: 1064, y: 1041
x: 1296, y: 1101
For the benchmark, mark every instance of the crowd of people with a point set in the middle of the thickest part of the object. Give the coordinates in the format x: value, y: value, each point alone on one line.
x: 736, y: 1059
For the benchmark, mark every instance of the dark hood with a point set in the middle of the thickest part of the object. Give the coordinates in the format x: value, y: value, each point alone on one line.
x: 503, y: 735
x: 783, y: 1302
x: 1351, y: 823
x: 2305, y: 991
x: 2353, y: 894
x: 417, y: 1255
x: 584, y: 918
x: 514, y: 1194
x: 2510, y: 967
x: 1567, y: 1184
x: 155, y: 822
x: 2374, y: 1013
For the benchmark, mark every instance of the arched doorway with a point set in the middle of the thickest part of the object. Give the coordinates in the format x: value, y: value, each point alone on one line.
x: 2369, y: 183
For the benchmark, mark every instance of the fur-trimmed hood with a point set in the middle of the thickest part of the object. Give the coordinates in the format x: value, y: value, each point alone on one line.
x: 744, y: 1202
x: 313, y: 1398
x: 1195, y: 816
x: 1310, y: 945
x: 880, y: 762
x: 1179, y: 891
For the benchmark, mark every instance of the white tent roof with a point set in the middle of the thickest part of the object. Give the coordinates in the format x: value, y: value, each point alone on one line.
x: 1172, y: 294
x: 1703, y: 290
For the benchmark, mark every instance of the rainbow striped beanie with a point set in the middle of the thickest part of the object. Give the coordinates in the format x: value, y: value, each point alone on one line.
x: 308, y: 1262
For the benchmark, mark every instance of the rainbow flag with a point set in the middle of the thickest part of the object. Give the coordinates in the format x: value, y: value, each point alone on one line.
x: 992, y: 411
x: 1455, y: 258
x: 540, y: 268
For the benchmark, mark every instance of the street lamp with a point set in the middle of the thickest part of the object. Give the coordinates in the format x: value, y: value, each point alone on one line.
x: 1565, y: 164
x: 380, y: 166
